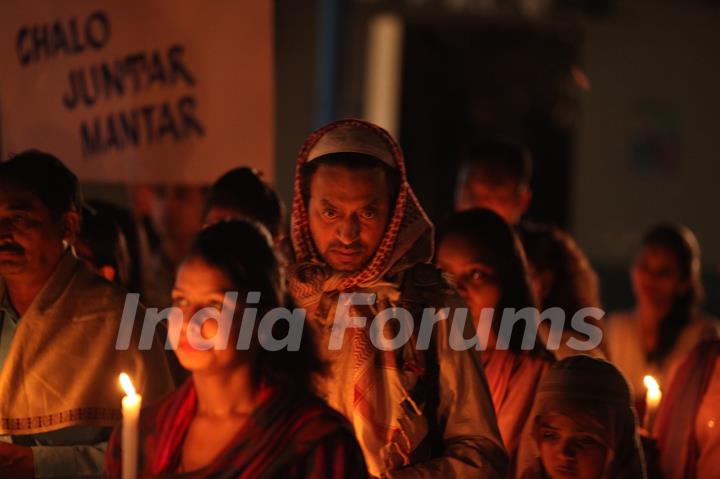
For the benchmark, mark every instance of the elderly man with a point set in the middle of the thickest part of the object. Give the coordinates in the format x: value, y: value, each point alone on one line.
x: 59, y: 321
x: 357, y: 227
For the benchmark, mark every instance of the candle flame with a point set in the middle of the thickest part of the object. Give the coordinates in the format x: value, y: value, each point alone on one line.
x: 651, y: 384
x: 127, y: 385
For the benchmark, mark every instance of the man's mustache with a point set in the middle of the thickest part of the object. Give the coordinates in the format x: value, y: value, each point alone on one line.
x: 11, y: 248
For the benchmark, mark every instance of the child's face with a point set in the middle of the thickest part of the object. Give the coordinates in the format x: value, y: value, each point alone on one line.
x: 567, y: 451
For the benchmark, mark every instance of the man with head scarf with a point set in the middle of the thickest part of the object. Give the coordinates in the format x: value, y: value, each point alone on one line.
x: 357, y: 227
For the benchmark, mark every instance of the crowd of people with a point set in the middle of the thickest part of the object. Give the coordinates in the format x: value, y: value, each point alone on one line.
x: 554, y: 403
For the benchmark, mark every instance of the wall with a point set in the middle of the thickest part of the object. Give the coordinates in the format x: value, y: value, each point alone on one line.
x: 655, y: 71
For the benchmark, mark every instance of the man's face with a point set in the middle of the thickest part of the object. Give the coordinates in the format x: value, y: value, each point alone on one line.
x: 349, y: 211
x: 507, y: 198
x: 31, y: 240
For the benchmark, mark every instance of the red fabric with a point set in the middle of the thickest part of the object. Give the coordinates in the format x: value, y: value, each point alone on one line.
x: 286, y: 437
x: 675, y: 423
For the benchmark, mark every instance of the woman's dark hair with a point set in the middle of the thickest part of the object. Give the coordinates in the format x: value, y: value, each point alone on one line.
x: 243, y: 251
x: 242, y: 189
x: 683, y: 244
x: 499, y: 248
x: 106, y: 243
x: 575, y: 283
x: 126, y: 221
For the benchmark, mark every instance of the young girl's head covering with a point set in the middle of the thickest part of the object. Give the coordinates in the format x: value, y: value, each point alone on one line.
x: 596, y: 396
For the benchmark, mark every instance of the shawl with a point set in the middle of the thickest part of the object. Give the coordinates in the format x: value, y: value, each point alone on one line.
x: 62, y: 368
x: 370, y: 387
x: 285, y: 437
x: 675, y: 423
x: 594, y: 394
x: 624, y: 344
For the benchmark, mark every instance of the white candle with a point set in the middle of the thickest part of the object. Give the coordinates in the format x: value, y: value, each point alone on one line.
x: 653, y: 396
x: 131, y: 413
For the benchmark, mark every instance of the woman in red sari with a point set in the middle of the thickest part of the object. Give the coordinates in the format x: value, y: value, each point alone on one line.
x: 245, y: 412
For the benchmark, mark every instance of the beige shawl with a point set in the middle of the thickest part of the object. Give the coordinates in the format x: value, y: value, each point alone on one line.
x: 624, y: 343
x: 62, y: 368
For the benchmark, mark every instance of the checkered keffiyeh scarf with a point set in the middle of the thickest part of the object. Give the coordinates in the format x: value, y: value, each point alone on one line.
x: 407, y: 240
x: 367, y: 385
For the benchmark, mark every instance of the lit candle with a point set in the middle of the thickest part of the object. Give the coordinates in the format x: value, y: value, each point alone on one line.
x: 131, y: 413
x: 653, y: 396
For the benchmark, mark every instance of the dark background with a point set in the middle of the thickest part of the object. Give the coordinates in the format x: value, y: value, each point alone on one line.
x: 628, y: 143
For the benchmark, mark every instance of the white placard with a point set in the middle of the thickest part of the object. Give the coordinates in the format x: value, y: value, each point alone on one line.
x: 139, y: 91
